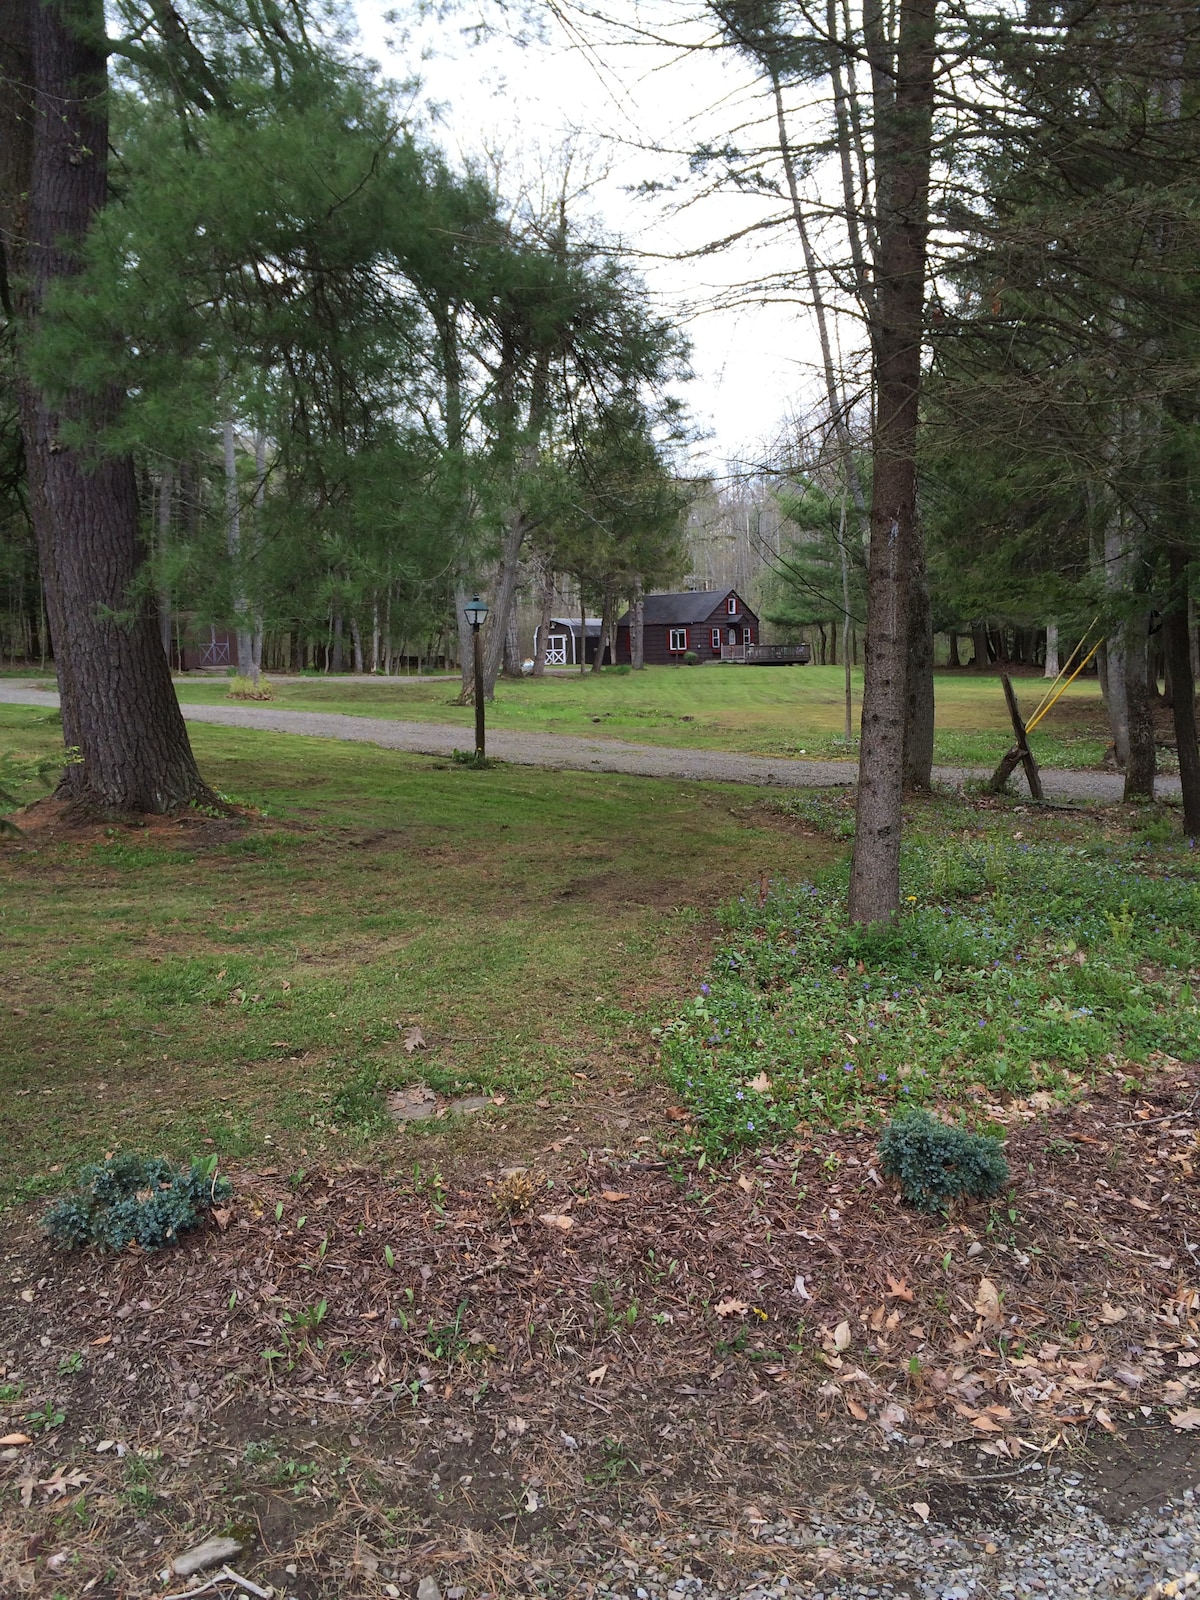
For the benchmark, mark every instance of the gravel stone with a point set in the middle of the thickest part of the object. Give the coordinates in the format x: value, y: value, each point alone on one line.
x: 1063, y: 1547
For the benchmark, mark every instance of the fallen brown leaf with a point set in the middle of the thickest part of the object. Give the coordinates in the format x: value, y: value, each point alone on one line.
x: 987, y: 1301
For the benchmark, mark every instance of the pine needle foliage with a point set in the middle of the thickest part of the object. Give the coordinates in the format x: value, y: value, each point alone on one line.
x: 935, y: 1163
x: 135, y: 1199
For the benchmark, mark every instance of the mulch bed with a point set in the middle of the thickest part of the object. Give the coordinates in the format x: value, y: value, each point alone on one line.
x: 472, y: 1373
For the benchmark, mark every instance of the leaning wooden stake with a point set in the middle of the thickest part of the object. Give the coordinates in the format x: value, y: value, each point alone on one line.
x: 1020, y: 752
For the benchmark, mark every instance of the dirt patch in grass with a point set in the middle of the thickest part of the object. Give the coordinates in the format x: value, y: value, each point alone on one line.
x: 54, y: 820
x: 372, y: 1374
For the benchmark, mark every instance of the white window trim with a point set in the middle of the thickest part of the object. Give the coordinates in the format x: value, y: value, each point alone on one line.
x: 715, y: 638
x: 672, y: 635
x: 731, y: 605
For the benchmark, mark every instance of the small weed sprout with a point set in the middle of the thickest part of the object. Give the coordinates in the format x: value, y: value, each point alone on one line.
x: 934, y: 1163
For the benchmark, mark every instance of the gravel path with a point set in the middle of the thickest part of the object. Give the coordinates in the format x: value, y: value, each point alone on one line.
x: 593, y: 755
x: 1049, y: 1543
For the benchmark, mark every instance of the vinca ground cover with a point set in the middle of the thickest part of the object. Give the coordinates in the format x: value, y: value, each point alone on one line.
x: 1025, y: 960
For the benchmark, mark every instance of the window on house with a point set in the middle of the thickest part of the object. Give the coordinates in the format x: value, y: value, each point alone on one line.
x: 731, y: 604
x: 747, y: 637
x: 716, y: 638
x: 677, y: 639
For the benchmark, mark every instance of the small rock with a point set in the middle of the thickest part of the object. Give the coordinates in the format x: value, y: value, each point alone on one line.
x: 469, y: 1103
x: 413, y: 1104
x: 207, y: 1554
x: 428, y: 1589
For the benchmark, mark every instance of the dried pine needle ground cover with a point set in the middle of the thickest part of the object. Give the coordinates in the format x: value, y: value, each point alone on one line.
x: 513, y: 1351
x: 370, y: 1377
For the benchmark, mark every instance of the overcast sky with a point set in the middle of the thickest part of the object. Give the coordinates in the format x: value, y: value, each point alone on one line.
x: 627, y: 102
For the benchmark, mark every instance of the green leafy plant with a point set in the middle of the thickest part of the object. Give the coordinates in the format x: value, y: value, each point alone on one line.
x: 358, y: 1104
x: 134, y: 1199
x: 935, y: 1163
x: 20, y: 773
x: 50, y: 1416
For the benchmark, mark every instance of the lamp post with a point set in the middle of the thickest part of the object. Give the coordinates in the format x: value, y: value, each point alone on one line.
x: 476, y: 612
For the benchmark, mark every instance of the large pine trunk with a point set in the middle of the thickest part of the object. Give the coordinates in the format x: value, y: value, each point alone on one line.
x: 1176, y: 648
x: 120, y: 714
x: 902, y: 177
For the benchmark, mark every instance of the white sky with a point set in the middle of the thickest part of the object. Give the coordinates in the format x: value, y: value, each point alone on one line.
x: 751, y: 364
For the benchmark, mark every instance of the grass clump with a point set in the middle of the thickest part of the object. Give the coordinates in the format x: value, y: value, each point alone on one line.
x: 242, y: 688
x: 1016, y: 965
x: 935, y: 1163
x: 133, y: 1199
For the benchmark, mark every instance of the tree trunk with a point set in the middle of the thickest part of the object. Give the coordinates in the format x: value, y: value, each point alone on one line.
x: 233, y: 545
x: 1139, y: 767
x: 918, y: 709
x: 543, y: 633
x: 119, y: 709
x: 166, y: 489
x: 512, y: 647
x: 1051, y: 669
x: 504, y: 592
x: 979, y: 646
x: 952, y: 655
x: 847, y: 681
x: 1177, y: 649
x: 637, y: 634
x: 903, y: 155
x: 605, y: 616
x: 335, y: 658
x: 356, y: 641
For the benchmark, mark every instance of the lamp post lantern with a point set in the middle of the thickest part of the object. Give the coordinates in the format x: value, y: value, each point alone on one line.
x: 476, y: 612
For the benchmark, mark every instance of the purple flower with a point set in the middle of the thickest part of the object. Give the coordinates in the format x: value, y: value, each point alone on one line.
x: 704, y: 989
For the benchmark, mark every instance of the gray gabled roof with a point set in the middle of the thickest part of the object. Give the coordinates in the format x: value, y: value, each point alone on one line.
x: 571, y: 625
x: 680, y: 610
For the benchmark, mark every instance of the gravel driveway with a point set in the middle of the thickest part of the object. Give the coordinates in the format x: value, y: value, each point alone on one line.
x: 594, y: 755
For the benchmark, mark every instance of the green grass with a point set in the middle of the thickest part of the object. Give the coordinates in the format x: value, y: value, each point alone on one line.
x: 772, y: 711
x: 218, y: 986
x: 1033, y: 954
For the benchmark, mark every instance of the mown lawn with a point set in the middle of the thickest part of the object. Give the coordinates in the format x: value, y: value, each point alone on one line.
x: 247, y: 986
x: 775, y: 711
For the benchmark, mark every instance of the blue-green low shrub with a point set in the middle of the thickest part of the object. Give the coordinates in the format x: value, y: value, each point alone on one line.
x: 935, y: 1163
x: 133, y: 1199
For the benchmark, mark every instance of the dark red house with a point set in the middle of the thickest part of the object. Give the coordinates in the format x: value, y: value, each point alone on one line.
x: 714, y: 624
